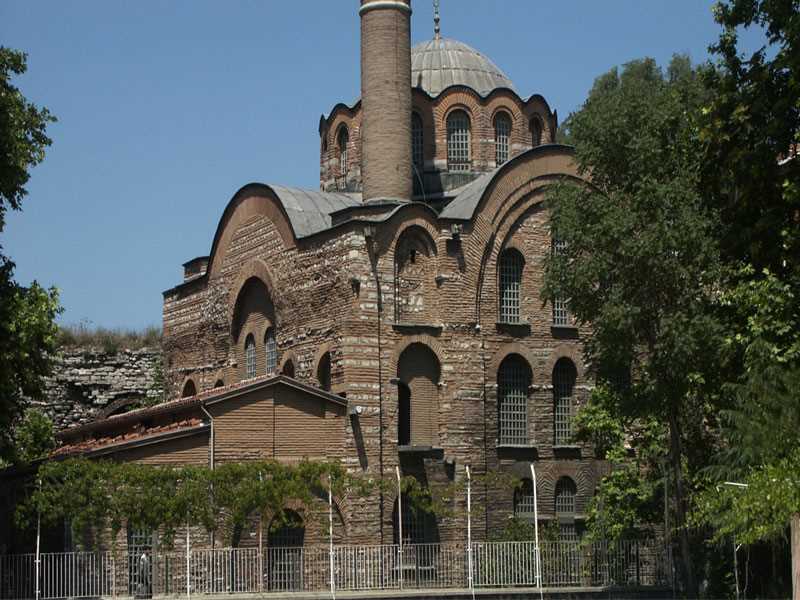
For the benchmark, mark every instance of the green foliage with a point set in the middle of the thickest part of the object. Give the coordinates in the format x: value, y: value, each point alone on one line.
x: 34, y: 437
x: 27, y: 342
x: 110, y: 341
x: 22, y: 133
x: 95, y: 494
x: 641, y: 268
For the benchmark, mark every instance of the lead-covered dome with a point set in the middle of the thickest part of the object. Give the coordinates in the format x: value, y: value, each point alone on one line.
x: 440, y: 63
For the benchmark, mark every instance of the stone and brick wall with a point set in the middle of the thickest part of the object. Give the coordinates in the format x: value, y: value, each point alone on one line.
x: 88, y: 383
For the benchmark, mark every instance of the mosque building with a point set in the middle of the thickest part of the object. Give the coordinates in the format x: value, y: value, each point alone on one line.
x: 393, y: 318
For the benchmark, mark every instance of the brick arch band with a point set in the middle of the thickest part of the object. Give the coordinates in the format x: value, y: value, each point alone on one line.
x: 255, y: 269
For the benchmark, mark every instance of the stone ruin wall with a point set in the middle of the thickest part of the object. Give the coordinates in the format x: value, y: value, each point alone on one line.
x: 88, y: 383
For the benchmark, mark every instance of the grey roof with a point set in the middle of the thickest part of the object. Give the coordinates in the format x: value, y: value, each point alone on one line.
x: 464, y: 204
x: 438, y: 64
x: 310, y: 211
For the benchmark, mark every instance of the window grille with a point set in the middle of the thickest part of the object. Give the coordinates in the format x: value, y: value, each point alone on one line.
x: 417, y: 141
x: 560, y: 308
x: 250, y: 357
x: 514, y: 379
x: 566, y: 491
x: 511, y: 264
x: 502, y: 132
x: 419, y: 526
x: 285, y: 554
x: 536, y: 132
x: 271, y: 351
x: 343, y: 142
x: 458, y: 141
x: 563, y: 386
x: 523, y: 500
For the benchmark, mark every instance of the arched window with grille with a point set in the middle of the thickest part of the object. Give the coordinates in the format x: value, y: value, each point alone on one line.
x: 459, y: 140
x: 511, y: 266
x: 502, y: 136
x: 419, y: 526
x: 271, y: 351
x: 560, y: 308
x: 566, y: 491
x: 342, y: 143
x: 536, y: 131
x: 417, y: 148
x: 564, y: 375
x: 250, y: 357
x: 524, y: 507
x: 513, y: 382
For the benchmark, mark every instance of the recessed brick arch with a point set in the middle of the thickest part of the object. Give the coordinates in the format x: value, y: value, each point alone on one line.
x: 507, y: 350
x: 426, y: 340
x: 254, y: 269
x: 570, y: 351
x: 326, y: 348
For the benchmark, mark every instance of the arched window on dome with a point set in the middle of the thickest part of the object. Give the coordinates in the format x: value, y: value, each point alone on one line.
x: 271, y: 351
x: 536, y: 131
x: 459, y: 141
x: 510, y: 285
x: 342, y: 143
x: 250, y: 357
x: 564, y: 375
x: 513, y: 382
x: 502, y: 137
x: 417, y: 139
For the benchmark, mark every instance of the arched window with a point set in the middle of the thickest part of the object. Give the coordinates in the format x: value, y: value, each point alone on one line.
x: 140, y: 561
x: 342, y: 141
x: 417, y: 147
x: 250, y: 357
x: 189, y: 389
x: 564, y: 375
x: 502, y: 135
x: 288, y: 369
x: 271, y: 351
x: 513, y: 382
x: 560, y: 312
x: 219, y: 384
x: 285, y: 553
x: 536, y: 131
x: 324, y: 372
x: 511, y: 266
x: 566, y: 491
x: 458, y: 141
x: 523, y: 500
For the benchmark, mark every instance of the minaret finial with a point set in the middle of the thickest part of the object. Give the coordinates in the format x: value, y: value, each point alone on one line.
x: 437, y: 30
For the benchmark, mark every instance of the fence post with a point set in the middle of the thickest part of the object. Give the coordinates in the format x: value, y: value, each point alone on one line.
x: 536, y: 551
x: 469, y: 533
x: 38, y: 554
x: 330, y: 534
x: 399, y: 526
x: 188, y: 583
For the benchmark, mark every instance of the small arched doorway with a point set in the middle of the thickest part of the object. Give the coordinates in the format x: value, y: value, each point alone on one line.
x: 418, y: 374
x: 284, y: 568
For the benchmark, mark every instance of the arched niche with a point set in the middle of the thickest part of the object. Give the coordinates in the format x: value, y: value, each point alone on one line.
x: 253, y: 315
x: 415, y: 293
x: 418, y: 374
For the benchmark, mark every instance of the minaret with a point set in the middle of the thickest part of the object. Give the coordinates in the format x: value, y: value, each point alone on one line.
x: 386, y: 99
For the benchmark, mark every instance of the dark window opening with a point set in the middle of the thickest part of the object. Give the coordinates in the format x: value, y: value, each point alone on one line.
x: 404, y: 415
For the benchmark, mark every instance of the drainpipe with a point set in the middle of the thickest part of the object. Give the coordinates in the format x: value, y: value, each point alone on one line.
x: 212, y: 443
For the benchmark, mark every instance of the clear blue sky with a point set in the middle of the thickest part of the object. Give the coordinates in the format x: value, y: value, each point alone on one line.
x: 166, y: 108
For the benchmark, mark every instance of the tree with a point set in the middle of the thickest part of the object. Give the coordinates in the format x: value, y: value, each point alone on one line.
x: 34, y: 437
x: 27, y: 315
x: 640, y: 264
x: 751, y: 131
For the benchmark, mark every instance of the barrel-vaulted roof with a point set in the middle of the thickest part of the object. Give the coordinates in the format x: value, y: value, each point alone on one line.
x: 443, y: 62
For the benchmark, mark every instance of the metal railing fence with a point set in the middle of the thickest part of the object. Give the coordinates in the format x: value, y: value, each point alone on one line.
x: 639, y: 563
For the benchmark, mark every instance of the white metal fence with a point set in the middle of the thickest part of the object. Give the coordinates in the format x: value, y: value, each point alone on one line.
x: 356, y: 568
